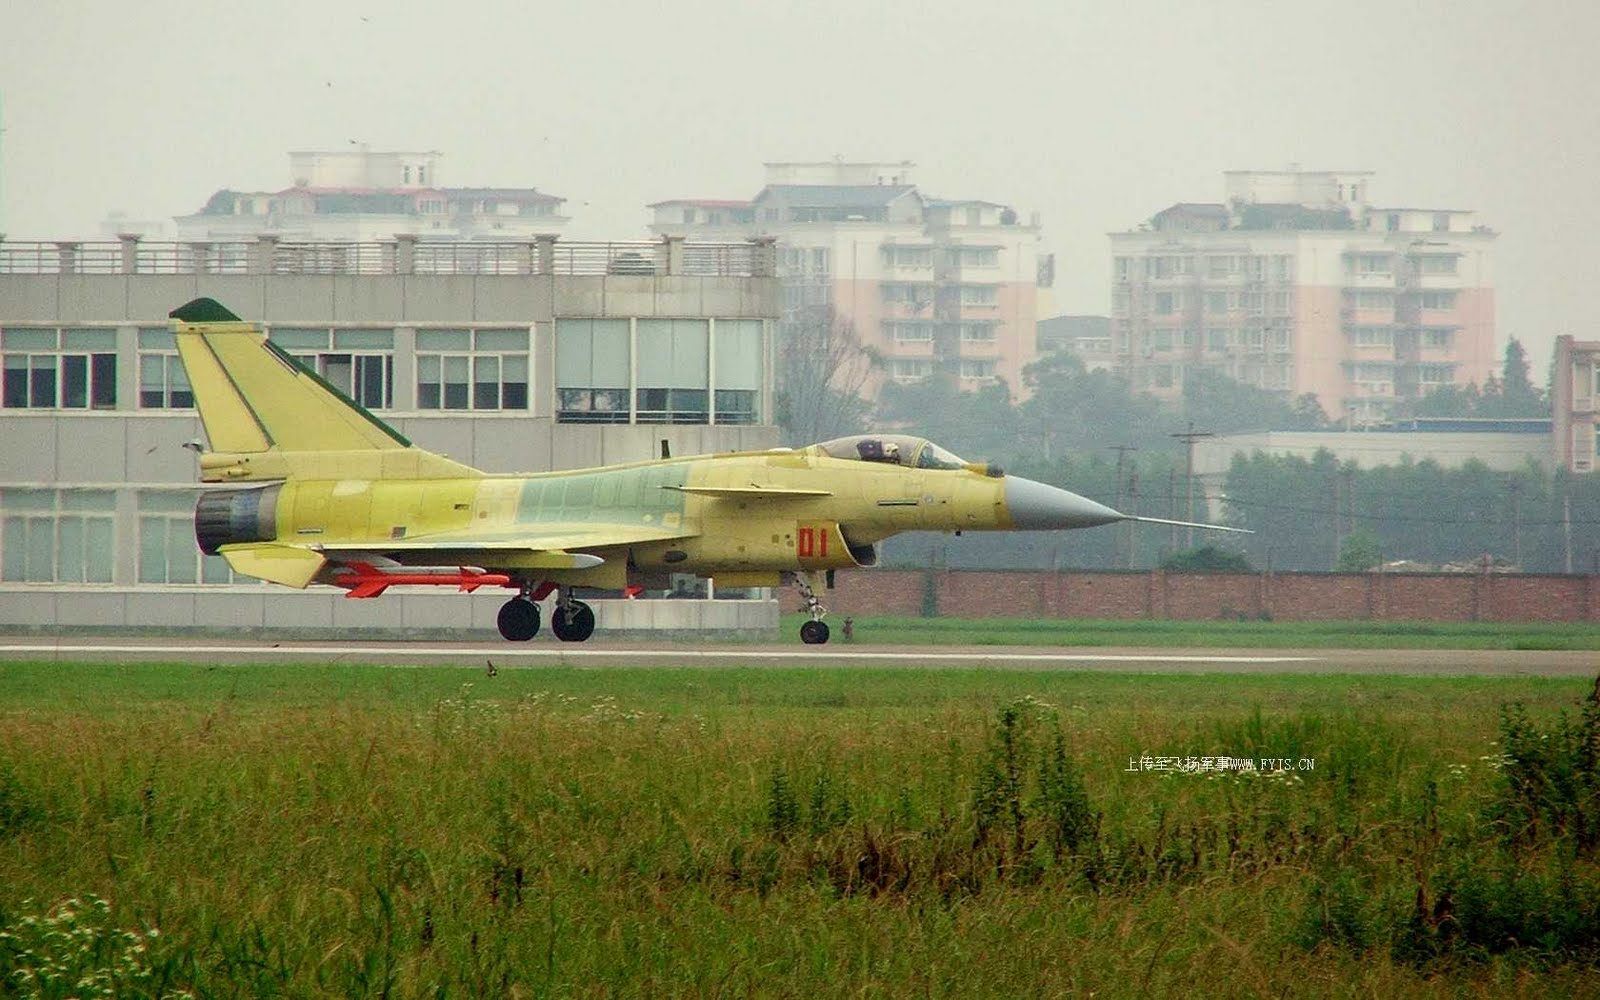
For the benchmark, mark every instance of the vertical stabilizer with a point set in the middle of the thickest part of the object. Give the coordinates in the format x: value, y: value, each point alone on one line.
x: 268, y: 417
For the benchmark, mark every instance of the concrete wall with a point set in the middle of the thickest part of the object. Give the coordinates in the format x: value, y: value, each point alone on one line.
x: 258, y: 611
x: 1198, y: 597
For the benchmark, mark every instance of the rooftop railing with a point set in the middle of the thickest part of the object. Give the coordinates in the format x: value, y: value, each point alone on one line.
x: 671, y: 255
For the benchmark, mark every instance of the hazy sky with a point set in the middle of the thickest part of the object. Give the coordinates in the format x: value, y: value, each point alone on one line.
x: 1096, y: 115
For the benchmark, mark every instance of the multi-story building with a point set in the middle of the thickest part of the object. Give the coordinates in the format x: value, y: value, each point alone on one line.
x: 1298, y: 283
x: 521, y: 356
x: 927, y: 284
x: 1574, y: 402
x: 362, y: 195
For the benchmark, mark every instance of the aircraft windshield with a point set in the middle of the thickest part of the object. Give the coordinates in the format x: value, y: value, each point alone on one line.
x: 892, y: 449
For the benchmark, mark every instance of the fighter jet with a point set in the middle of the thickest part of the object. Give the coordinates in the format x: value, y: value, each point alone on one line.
x: 329, y: 494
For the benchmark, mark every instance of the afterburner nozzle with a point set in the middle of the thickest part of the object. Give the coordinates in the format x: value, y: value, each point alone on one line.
x: 1040, y: 507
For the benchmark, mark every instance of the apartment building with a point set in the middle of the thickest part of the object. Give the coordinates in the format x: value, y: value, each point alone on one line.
x: 1299, y: 283
x: 1574, y: 401
x: 929, y: 284
x: 514, y: 356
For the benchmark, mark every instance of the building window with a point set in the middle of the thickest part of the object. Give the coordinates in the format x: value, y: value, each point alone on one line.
x: 1372, y: 336
x: 1120, y: 268
x: 977, y: 333
x: 461, y: 369
x: 163, y: 382
x: 1441, y: 222
x: 1433, y: 374
x: 1439, y: 339
x: 1370, y: 299
x: 977, y: 256
x: 49, y: 368
x: 358, y: 362
x: 57, y: 536
x: 1371, y: 263
x: 738, y: 372
x: 977, y: 369
x: 1438, y: 300
x: 1216, y: 340
x: 1438, y: 264
x: 904, y: 256
x: 592, y: 364
x: 1161, y: 340
x: 910, y: 369
x: 979, y: 295
x: 904, y: 333
x: 1162, y: 304
x: 916, y: 296
x: 167, y: 549
x: 1283, y: 267
x: 672, y: 371
x: 1216, y: 302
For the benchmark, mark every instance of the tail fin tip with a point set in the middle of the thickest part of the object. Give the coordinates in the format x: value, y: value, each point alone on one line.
x: 203, y: 310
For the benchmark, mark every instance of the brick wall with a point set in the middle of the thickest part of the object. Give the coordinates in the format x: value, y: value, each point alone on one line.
x: 1196, y: 596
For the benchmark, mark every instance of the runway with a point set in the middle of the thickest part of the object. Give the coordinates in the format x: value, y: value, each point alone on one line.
x: 835, y: 656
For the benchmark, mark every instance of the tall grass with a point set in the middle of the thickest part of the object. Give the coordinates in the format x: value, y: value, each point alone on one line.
x: 361, y: 831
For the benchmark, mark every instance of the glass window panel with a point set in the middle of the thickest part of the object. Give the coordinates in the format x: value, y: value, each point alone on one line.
x: 152, y: 549
x: 155, y: 338
x: 15, y: 500
x: 97, y: 501
x: 75, y: 381
x: 486, y: 383
x: 100, y: 549
x: 14, y: 549
x: 514, y: 382
x: 371, y: 381
x: 455, y: 383
x: 672, y: 353
x: 444, y: 340
x: 502, y: 340
x: 214, y: 569
x: 16, y: 380
x: 372, y: 340
x: 336, y: 369
x: 292, y: 338
x: 103, y: 381
x: 42, y: 379
x: 592, y: 353
x: 178, y: 381
x: 738, y: 354
x: 166, y: 502
x: 181, y: 553
x: 91, y: 340
x: 28, y: 339
x: 41, y: 556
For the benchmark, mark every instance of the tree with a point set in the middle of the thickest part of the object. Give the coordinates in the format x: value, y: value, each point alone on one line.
x: 822, y: 371
x: 1225, y: 405
x: 1073, y: 409
x: 1207, y: 559
x: 1360, y: 552
x: 1514, y: 393
x: 977, y: 425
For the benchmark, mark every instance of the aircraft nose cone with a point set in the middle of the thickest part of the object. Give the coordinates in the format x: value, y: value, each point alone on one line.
x: 1037, y: 506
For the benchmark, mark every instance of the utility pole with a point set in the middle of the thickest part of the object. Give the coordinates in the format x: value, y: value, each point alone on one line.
x: 1123, y: 529
x: 1133, y: 508
x: 1515, y: 486
x: 1566, y: 526
x: 1188, y: 438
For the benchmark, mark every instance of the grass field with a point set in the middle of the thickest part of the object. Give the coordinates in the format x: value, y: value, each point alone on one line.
x: 362, y: 831
x: 1215, y: 634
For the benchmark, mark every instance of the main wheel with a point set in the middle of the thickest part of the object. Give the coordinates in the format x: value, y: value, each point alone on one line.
x: 518, y: 620
x: 814, y: 633
x: 573, y: 623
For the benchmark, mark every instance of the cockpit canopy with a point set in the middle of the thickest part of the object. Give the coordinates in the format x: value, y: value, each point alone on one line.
x: 891, y: 449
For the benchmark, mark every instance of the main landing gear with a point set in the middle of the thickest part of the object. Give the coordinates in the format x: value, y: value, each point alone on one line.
x: 571, y: 620
x: 815, y: 631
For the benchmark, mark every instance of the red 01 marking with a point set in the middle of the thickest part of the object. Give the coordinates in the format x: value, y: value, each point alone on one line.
x: 808, y: 542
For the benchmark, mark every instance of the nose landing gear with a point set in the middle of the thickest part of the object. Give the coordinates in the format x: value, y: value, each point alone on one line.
x: 815, y: 631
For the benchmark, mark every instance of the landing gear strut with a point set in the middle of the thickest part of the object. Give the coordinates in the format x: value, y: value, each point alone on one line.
x: 572, y: 620
x: 815, y: 631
